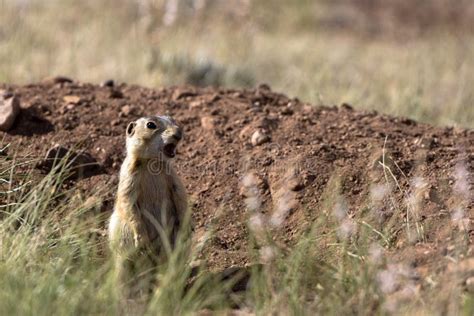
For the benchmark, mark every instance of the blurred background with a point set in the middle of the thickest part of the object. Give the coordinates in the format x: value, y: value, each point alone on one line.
x: 402, y: 57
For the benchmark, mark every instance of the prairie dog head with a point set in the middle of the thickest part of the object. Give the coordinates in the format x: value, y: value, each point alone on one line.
x: 153, y: 137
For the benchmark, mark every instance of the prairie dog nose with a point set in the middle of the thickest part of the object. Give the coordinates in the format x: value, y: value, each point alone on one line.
x: 176, y: 133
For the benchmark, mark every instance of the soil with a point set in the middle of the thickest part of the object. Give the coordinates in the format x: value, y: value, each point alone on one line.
x: 304, y: 160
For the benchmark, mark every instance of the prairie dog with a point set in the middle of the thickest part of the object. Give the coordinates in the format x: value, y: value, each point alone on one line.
x: 151, y: 200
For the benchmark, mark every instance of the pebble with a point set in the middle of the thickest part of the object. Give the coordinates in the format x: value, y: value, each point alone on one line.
x: 294, y: 181
x: 79, y: 163
x: 126, y: 110
x: 115, y: 122
x: 287, y: 111
x: 347, y: 107
x: 108, y: 83
x: 9, y: 110
x: 207, y: 123
x: 244, y: 133
x: 72, y: 99
x: 259, y: 138
x: 57, y: 79
x: 470, y: 284
x: 195, y: 104
x: 116, y: 94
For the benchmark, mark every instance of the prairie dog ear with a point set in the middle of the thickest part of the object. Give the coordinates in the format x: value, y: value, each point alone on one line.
x: 131, y: 129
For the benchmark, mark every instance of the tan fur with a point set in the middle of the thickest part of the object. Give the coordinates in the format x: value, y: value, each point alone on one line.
x: 151, y: 200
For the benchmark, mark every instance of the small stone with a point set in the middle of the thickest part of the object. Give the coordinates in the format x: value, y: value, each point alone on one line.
x: 424, y: 142
x: 6, y: 94
x: 116, y: 94
x: 57, y: 79
x: 245, y: 132
x: 407, y: 121
x: 180, y: 94
x: 294, y: 180
x: 108, y: 83
x: 287, y: 111
x: 470, y: 284
x: 267, y: 162
x: 207, y: 123
x: 126, y: 110
x: 115, y: 122
x: 259, y: 138
x: 215, y: 97
x: 195, y: 104
x: 72, y: 99
x: 295, y: 184
x: 9, y: 110
x: 347, y: 107
x: 264, y: 86
x: 79, y: 164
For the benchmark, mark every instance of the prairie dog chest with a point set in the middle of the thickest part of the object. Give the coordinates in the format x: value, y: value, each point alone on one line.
x: 153, y: 194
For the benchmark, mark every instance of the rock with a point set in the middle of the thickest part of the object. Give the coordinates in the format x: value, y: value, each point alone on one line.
x: 180, y: 94
x: 347, y: 107
x: 294, y: 180
x: 245, y: 132
x: 115, y: 122
x: 126, y: 110
x: 215, y: 97
x: 259, y: 138
x: 264, y: 86
x: 80, y: 164
x: 72, y: 99
x: 6, y: 94
x: 116, y: 94
x: 295, y: 184
x: 470, y: 285
x: 108, y: 83
x: 9, y: 110
x: 195, y: 104
x: 207, y: 123
x: 424, y: 142
x: 287, y: 111
x: 57, y: 79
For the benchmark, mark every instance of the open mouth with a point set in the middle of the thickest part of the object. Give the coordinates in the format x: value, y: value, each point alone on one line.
x: 169, y: 150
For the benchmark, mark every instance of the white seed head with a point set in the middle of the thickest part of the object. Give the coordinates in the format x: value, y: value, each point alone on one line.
x: 376, y: 253
x: 419, y: 183
x: 267, y: 254
x: 256, y: 223
x: 253, y: 203
x: 461, y: 181
x: 249, y: 180
x: 388, y: 280
x: 340, y: 208
x: 284, y: 203
x: 347, y: 228
x: 378, y: 192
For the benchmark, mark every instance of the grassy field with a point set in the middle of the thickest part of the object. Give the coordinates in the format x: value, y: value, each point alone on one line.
x: 321, y: 53
x: 54, y: 260
x: 52, y: 254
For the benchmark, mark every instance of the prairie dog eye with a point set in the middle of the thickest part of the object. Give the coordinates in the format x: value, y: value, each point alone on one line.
x: 151, y: 125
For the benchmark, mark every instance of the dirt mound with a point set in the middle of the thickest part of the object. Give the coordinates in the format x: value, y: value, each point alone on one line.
x: 304, y: 161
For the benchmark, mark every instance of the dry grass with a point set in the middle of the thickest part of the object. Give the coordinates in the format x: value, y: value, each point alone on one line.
x: 47, y: 265
x: 52, y: 260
